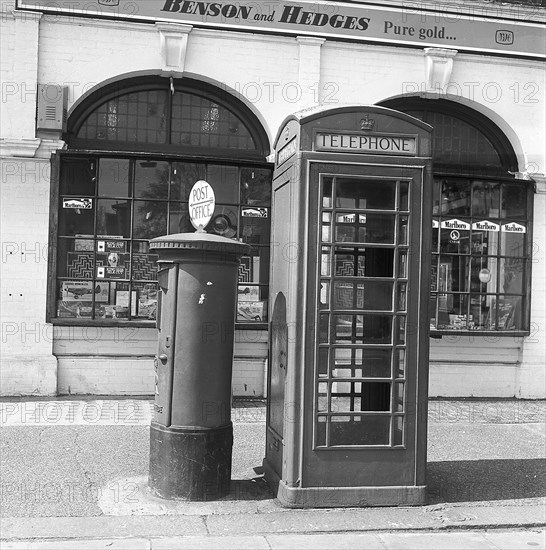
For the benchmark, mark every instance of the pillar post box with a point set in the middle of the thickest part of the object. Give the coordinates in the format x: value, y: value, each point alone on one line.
x: 191, y: 433
x: 349, y: 291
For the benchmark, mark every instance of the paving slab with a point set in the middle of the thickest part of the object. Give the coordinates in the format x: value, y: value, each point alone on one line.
x: 211, y: 543
x: 341, y: 541
x: 104, y: 544
x: 517, y: 540
x: 437, y: 541
x: 101, y: 527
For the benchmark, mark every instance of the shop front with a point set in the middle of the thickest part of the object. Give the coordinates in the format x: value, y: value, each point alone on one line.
x: 103, y: 138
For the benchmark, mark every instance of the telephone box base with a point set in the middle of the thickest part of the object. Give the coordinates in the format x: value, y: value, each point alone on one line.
x: 343, y: 497
x: 190, y: 463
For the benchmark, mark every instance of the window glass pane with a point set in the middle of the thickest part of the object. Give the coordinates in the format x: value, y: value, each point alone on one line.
x: 403, y: 230
x: 144, y: 264
x: 200, y: 122
x: 485, y: 241
x: 75, y: 298
x: 152, y: 179
x: 320, y: 428
x: 324, y: 323
x: 369, y: 228
x: 113, y: 177
x: 404, y: 196
x: 367, y: 295
x: 76, y: 216
x: 511, y: 276
x: 398, y: 433
x: 78, y: 176
x: 453, y: 312
x: 327, y: 192
x: 113, y: 257
x: 454, y: 273
x: 179, y: 218
x: 256, y: 186
x: 323, y: 361
x: 400, y: 354
x: 514, y: 201
x: 326, y: 262
x: 361, y: 193
x: 324, y: 294
x: 184, y: 176
x: 134, y: 117
x: 360, y: 430
x: 458, y: 143
x: 455, y: 197
x: 513, y: 241
x: 363, y: 329
x: 147, y: 296
x: 224, y: 221
x: 225, y: 182
x: 150, y: 219
x: 485, y: 199
x: 75, y: 258
x: 455, y: 236
x: 255, y: 268
x: 509, y: 311
x: 482, y: 311
x: 255, y: 225
x: 361, y: 362
x: 483, y: 275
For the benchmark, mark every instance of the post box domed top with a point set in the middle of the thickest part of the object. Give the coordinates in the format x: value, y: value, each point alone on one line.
x: 200, y: 241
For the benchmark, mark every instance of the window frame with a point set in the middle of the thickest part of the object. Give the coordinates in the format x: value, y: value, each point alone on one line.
x: 96, y: 149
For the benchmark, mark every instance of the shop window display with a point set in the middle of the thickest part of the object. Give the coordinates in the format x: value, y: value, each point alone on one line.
x: 482, y: 223
x: 480, y: 256
x: 111, y: 204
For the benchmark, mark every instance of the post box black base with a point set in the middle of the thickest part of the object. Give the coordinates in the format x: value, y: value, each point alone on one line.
x: 190, y: 463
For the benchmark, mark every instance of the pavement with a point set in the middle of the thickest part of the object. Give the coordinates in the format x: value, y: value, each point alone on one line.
x: 74, y: 475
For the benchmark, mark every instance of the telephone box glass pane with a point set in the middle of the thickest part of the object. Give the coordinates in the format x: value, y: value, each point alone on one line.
x: 363, y: 262
x: 398, y: 430
x: 368, y: 194
x: 404, y: 196
x: 360, y: 430
x: 363, y: 329
x: 362, y: 362
x: 368, y: 295
x: 327, y: 192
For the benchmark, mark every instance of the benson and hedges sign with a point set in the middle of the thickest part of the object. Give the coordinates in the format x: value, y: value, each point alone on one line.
x: 464, y: 29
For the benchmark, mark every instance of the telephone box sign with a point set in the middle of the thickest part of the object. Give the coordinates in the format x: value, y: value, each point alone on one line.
x: 384, y: 144
x: 417, y: 24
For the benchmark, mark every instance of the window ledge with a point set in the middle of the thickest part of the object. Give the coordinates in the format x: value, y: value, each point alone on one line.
x: 439, y: 334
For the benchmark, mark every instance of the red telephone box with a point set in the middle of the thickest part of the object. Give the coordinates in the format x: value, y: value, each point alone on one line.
x: 352, y: 204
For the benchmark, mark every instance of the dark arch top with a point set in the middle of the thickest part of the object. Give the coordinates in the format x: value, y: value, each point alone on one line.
x: 464, y: 139
x: 170, y: 116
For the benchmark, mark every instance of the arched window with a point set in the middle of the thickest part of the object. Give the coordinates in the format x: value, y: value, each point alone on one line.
x: 135, y: 149
x: 481, y: 245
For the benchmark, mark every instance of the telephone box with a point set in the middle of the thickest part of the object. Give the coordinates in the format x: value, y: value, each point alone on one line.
x: 349, y: 289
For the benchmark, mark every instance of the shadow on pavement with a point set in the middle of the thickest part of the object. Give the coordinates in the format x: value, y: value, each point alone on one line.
x: 479, y: 480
